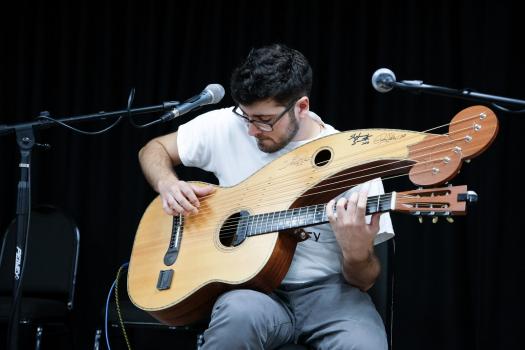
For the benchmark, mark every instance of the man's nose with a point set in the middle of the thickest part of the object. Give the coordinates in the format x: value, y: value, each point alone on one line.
x: 253, y: 130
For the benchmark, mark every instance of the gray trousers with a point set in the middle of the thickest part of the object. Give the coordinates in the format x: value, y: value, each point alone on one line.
x: 329, y: 314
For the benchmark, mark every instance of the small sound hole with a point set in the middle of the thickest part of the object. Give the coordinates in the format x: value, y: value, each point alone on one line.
x: 323, y: 157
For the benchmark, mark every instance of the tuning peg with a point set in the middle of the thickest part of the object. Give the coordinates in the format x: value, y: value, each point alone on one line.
x: 434, y: 219
x: 467, y: 161
x: 420, y: 219
x: 450, y: 220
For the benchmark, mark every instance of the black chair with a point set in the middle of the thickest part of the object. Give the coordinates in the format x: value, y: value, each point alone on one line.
x: 48, y: 283
x: 132, y: 317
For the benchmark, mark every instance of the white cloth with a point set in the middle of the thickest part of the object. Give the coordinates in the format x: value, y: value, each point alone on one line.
x: 218, y: 141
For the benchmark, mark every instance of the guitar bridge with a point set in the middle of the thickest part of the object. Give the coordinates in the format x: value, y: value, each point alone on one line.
x: 176, y: 236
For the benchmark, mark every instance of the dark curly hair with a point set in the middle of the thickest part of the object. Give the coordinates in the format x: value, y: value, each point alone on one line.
x: 275, y: 71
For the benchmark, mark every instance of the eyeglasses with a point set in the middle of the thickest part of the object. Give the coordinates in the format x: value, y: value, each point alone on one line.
x: 263, y: 126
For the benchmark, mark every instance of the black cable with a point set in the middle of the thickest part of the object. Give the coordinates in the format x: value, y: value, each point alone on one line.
x: 131, y: 97
x: 501, y: 108
x: 78, y: 130
x: 495, y: 105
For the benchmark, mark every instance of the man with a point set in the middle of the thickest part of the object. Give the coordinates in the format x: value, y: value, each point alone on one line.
x: 322, y: 300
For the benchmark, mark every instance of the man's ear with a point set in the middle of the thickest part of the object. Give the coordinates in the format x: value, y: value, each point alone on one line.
x: 304, y: 106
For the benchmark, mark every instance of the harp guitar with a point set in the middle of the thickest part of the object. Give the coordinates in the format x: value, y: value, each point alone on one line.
x: 241, y: 237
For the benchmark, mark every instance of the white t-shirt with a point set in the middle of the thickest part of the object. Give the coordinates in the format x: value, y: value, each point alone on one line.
x: 218, y: 142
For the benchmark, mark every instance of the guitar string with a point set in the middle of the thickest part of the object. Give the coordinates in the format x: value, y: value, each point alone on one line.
x: 268, y: 203
x: 275, y: 201
x: 232, y: 223
x: 372, y: 203
x: 331, y: 183
x: 348, y: 179
x: 443, y: 207
x: 366, y: 171
x: 437, y: 135
x: 227, y: 222
x: 292, y: 176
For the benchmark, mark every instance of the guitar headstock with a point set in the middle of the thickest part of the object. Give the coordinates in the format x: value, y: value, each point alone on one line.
x: 443, y: 201
x: 439, y: 157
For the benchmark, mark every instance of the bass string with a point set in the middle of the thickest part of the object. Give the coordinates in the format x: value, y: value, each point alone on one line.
x: 346, y: 177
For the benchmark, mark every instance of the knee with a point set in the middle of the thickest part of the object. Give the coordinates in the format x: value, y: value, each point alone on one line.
x: 240, y: 320
x: 237, y: 306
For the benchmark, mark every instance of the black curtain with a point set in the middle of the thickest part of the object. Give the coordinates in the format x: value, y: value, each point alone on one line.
x: 457, y: 286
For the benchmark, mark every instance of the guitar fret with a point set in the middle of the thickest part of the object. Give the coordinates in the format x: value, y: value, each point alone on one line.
x: 249, y: 229
x: 289, y: 219
x: 258, y: 224
x: 243, y: 224
x: 306, y: 218
x: 264, y: 223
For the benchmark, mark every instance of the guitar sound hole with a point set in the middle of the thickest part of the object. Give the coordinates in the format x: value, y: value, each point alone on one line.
x: 231, y: 234
x: 323, y: 157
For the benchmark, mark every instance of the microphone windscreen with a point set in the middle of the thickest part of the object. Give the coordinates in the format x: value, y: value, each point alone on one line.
x: 382, y: 79
x: 216, y: 91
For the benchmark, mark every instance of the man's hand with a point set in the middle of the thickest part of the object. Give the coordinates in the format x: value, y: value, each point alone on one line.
x: 355, y: 237
x: 351, y: 230
x: 180, y: 197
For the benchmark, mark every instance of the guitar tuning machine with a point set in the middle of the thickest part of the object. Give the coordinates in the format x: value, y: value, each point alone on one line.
x: 420, y: 219
x: 450, y: 220
x: 434, y: 219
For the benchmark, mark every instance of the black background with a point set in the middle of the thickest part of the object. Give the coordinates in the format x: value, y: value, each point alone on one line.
x: 457, y: 286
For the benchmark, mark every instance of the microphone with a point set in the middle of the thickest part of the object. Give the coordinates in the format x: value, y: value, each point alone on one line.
x: 383, y: 80
x: 212, y: 94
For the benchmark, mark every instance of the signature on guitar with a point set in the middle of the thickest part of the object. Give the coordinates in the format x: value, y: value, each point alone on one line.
x: 387, y: 137
x: 361, y: 139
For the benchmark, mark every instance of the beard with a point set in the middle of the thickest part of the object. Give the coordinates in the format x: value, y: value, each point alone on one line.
x: 269, y: 145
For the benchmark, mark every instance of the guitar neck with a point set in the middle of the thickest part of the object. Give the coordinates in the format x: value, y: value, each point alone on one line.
x: 311, y: 215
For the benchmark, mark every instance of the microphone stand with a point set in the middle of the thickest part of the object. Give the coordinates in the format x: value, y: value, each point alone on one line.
x: 26, y: 141
x: 417, y: 86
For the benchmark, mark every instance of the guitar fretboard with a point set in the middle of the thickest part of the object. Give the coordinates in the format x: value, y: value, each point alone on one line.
x: 311, y: 215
